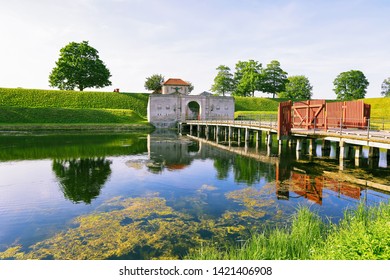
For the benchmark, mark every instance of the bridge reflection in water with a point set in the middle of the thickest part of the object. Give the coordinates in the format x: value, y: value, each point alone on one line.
x: 296, y: 178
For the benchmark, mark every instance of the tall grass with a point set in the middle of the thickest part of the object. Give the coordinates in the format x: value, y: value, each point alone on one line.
x: 363, y: 234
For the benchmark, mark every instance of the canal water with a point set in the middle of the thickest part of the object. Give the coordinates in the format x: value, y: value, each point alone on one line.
x: 159, y: 196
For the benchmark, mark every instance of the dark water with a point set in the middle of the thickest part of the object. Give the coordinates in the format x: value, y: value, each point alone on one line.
x: 135, y: 196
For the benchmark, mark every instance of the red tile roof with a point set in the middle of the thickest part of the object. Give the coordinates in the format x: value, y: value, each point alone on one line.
x: 176, y: 82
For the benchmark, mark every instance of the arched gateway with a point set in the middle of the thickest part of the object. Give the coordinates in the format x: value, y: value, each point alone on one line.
x: 165, y: 110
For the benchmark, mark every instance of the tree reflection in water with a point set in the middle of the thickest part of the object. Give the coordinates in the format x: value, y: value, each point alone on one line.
x: 82, y: 179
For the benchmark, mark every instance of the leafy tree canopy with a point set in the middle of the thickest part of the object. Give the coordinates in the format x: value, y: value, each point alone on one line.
x: 154, y: 83
x: 350, y: 85
x: 223, y: 82
x: 274, y: 78
x: 190, y: 87
x: 298, y: 87
x: 79, y: 66
x: 386, y: 87
x: 247, y: 78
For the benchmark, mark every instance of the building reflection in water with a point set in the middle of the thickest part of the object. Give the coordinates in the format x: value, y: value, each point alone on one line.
x: 167, y: 151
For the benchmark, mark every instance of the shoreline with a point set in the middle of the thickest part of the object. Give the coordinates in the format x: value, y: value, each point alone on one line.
x: 61, y: 128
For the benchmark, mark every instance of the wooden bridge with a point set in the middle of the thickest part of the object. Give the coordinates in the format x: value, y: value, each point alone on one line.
x: 346, y: 123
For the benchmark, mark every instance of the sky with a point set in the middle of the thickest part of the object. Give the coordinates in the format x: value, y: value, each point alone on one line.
x: 190, y: 39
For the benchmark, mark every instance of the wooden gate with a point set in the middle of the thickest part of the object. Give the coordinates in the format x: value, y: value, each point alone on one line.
x: 309, y: 114
x: 284, y: 119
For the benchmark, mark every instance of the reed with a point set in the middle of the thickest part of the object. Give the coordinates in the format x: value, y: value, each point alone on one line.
x: 363, y: 233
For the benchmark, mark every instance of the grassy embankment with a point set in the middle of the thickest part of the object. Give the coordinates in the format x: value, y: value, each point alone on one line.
x: 363, y: 234
x: 30, y: 109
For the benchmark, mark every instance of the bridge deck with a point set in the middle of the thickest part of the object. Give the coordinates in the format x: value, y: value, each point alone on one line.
x: 364, y: 137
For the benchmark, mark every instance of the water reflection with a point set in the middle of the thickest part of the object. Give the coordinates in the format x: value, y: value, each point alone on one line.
x: 158, y: 196
x: 82, y: 179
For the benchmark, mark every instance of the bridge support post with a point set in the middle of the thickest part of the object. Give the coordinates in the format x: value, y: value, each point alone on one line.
x: 311, y: 146
x: 269, y: 139
x: 198, y: 130
x: 344, y: 149
x: 358, y: 154
x: 382, y: 158
x: 230, y: 136
x: 280, y: 144
x: 257, y: 134
x: 226, y: 133
x: 206, y: 131
x: 217, y: 134
x: 246, y: 135
x: 319, y: 147
x: 180, y: 128
x: 333, y: 150
x: 238, y: 136
x: 299, y: 144
x: 190, y: 129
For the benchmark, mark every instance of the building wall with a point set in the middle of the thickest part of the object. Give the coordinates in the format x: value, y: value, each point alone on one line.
x: 167, y: 110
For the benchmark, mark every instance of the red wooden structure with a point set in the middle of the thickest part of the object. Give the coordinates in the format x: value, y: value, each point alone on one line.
x: 317, y: 114
x: 309, y: 114
x: 347, y: 114
x: 284, y: 119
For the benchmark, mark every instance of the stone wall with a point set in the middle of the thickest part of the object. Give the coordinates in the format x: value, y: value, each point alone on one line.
x: 166, y: 110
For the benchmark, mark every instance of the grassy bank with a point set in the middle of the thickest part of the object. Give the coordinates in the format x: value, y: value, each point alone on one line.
x: 363, y: 234
x: 36, y: 98
x: 34, y: 110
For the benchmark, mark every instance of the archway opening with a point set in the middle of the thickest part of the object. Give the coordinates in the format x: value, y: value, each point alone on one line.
x: 193, y: 111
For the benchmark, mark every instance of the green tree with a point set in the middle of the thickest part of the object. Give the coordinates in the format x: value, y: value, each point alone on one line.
x: 274, y: 78
x: 223, y: 82
x: 247, y: 78
x: 154, y: 83
x: 298, y: 87
x: 386, y: 88
x: 82, y: 179
x: 79, y: 66
x: 190, y: 87
x: 350, y: 85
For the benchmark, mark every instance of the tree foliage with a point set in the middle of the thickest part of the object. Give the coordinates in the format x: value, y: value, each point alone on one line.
x: 223, y: 82
x: 154, y: 83
x: 274, y: 78
x: 247, y: 78
x: 79, y: 66
x: 350, y: 85
x: 298, y: 87
x: 386, y: 87
x: 190, y: 87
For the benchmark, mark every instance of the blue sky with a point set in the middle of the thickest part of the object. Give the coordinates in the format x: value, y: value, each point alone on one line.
x: 189, y: 39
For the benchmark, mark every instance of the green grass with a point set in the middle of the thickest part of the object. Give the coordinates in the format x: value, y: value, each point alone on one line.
x: 67, y: 116
x: 255, y: 104
x: 34, y: 109
x: 256, y: 113
x: 36, y: 98
x: 362, y: 234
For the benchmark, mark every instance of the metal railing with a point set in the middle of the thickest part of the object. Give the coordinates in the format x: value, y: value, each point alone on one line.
x: 269, y: 121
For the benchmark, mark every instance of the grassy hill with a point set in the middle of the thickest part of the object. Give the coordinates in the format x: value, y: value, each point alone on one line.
x: 28, y: 107
x: 60, y: 108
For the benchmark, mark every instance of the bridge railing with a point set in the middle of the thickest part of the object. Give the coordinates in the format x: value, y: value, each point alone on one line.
x: 368, y: 128
x: 264, y: 120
